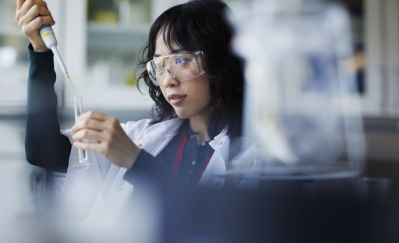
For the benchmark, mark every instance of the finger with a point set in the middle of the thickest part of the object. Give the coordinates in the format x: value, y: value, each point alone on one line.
x: 19, y: 4
x: 89, y: 124
x: 89, y: 134
x: 94, y: 115
x: 34, y: 25
x: 96, y: 147
x: 29, y: 4
x: 33, y: 13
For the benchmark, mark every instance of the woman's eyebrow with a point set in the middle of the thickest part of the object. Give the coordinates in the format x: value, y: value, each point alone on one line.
x: 172, y: 52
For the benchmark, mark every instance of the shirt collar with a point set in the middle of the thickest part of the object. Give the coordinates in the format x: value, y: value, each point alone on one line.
x: 221, y: 134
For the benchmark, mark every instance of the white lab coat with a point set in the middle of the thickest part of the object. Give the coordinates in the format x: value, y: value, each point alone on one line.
x: 100, y: 191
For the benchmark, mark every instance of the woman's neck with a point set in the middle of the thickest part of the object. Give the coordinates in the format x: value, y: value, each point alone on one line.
x: 199, y: 124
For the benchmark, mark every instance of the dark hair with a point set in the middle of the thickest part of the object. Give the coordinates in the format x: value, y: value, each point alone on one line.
x: 201, y: 25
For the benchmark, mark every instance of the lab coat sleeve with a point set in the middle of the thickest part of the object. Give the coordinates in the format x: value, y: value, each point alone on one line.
x: 45, y: 146
x: 145, y: 165
x: 147, y: 169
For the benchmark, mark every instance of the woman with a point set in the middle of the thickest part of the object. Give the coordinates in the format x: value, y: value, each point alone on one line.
x: 196, y: 83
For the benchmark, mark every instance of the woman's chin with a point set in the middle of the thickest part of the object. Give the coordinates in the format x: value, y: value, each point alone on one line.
x: 183, y: 114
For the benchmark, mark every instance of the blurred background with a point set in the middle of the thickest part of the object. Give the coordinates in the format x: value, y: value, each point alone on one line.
x: 100, y: 42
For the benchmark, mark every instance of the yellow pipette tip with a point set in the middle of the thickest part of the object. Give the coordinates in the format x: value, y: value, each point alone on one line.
x: 70, y: 82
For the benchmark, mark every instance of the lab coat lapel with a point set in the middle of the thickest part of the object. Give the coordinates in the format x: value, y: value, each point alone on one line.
x: 221, y: 144
x: 214, y: 172
x: 78, y: 180
x: 112, y: 181
x: 153, y: 138
x: 159, y: 135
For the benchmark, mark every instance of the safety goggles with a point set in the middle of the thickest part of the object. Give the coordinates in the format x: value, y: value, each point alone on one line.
x: 181, y: 67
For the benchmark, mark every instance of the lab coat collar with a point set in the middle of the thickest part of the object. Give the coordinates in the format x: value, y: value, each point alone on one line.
x: 221, y: 134
x: 221, y: 144
x: 170, y: 128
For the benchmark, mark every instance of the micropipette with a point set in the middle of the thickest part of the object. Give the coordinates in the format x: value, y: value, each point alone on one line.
x: 48, y: 36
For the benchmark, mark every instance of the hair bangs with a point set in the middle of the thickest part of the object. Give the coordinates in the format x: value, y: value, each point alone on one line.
x: 177, y: 30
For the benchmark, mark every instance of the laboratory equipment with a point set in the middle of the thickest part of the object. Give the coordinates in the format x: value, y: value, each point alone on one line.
x: 181, y: 67
x: 301, y: 119
x: 48, y: 36
x: 82, y: 154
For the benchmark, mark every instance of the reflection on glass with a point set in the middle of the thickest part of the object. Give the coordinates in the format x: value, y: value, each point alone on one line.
x: 375, y: 189
x: 301, y: 118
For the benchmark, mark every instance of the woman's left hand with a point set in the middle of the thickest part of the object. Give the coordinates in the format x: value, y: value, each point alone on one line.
x: 113, y: 143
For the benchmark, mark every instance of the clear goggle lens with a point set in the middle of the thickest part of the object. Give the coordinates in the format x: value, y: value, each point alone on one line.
x: 181, y: 67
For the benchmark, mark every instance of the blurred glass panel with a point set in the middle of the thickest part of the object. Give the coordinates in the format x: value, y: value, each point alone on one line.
x: 302, y: 118
x: 355, y: 9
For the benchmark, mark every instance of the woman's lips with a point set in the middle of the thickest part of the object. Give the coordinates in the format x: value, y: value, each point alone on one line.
x: 177, y: 99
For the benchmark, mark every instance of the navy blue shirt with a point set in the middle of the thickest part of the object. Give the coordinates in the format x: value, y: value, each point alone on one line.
x: 192, y: 162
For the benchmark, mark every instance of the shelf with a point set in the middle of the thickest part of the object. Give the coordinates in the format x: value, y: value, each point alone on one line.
x: 129, y: 44
x: 139, y: 29
x: 113, y: 37
x: 111, y: 97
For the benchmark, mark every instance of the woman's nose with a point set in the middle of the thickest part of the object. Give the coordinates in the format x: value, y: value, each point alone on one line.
x: 169, y: 79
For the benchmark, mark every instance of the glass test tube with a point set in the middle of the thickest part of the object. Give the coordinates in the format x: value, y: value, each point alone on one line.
x: 82, y: 154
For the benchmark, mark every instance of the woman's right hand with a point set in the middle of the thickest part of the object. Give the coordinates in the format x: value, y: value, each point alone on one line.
x: 30, y: 16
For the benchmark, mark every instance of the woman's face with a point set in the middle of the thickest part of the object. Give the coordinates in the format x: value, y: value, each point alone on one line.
x: 188, y: 98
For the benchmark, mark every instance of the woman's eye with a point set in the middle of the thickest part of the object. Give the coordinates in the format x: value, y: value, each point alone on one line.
x: 182, y: 60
